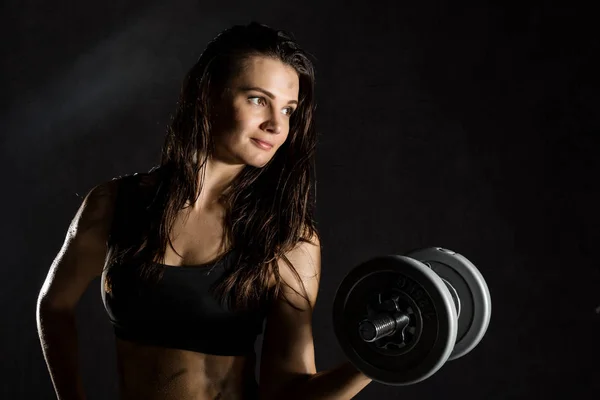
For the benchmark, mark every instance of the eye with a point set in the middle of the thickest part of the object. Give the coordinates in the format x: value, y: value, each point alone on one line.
x: 262, y: 99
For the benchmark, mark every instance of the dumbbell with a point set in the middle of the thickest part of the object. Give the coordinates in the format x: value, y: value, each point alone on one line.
x: 398, y: 319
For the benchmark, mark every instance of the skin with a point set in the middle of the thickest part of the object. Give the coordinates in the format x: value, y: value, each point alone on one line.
x: 244, y: 114
x: 153, y: 373
x: 156, y: 373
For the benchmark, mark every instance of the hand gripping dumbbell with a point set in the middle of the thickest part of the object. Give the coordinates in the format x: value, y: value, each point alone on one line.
x: 398, y: 319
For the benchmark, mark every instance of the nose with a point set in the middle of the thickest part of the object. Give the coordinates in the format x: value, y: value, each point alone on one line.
x: 273, y: 124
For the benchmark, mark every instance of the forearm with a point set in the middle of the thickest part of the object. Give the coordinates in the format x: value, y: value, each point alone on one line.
x: 339, y: 383
x: 58, y: 337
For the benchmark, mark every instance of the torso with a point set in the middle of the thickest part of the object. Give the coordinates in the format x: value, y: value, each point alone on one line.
x: 157, y: 373
x: 151, y: 372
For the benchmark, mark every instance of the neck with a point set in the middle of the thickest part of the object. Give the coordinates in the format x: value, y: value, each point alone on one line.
x: 214, y: 178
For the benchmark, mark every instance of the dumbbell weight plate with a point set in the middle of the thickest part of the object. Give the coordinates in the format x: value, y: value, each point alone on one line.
x: 475, y: 300
x: 433, y: 319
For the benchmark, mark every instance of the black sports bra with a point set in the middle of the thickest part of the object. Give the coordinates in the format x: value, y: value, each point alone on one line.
x: 178, y: 311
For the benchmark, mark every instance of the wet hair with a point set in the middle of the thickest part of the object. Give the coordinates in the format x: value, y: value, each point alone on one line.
x: 268, y: 209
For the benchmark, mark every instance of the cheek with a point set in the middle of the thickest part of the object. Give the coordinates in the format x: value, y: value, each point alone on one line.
x: 232, y: 124
x: 285, y: 139
x: 232, y: 130
x: 243, y: 123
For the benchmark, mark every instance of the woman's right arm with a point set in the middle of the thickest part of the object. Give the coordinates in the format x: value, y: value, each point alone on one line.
x: 79, y: 261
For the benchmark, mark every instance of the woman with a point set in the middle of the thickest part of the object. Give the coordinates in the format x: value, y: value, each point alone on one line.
x: 197, y: 253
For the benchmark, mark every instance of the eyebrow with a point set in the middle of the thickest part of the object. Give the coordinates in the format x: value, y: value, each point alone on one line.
x: 271, y: 95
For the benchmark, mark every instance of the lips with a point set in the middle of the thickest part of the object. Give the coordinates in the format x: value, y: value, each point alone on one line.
x: 262, y: 143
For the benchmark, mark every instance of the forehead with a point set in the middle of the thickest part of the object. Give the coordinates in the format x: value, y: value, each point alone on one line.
x: 270, y: 74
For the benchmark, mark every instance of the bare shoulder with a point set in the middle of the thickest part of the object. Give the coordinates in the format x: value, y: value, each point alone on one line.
x: 97, y: 207
x: 305, y: 258
x: 150, y: 178
x: 82, y: 255
x: 96, y: 216
x: 288, y: 347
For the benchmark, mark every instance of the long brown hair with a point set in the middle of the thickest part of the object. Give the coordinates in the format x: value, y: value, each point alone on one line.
x: 268, y: 210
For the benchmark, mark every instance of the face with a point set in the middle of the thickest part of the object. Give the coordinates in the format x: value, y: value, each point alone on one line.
x: 254, y: 114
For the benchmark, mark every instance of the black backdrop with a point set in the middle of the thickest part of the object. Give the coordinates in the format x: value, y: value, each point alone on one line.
x: 468, y: 126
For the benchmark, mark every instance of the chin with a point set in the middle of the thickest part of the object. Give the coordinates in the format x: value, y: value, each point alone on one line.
x: 259, y: 160
x: 257, y: 163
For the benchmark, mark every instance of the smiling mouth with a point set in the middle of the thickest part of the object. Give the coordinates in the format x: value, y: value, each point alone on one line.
x: 262, y: 145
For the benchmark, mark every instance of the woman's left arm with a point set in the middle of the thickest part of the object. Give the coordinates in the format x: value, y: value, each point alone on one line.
x: 287, y: 368
x: 339, y: 383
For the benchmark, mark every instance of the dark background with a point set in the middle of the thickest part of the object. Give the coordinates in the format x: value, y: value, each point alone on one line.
x: 468, y: 126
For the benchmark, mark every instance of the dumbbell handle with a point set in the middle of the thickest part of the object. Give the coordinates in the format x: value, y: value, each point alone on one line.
x: 382, y: 325
x: 392, y: 320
